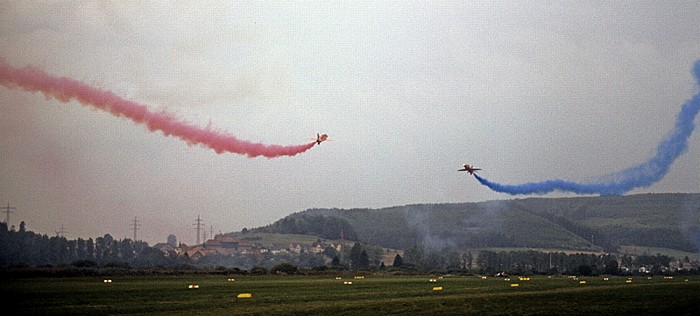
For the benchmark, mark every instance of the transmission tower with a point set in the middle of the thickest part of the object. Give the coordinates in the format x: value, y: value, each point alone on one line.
x: 198, y: 223
x: 61, y: 232
x: 7, y: 212
x: 135, y: 225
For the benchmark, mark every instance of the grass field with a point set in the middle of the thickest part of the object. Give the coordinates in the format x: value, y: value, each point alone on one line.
x: 372, y: 295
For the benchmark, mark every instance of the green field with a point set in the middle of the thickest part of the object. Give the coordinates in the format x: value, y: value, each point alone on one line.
x: 373, y: 295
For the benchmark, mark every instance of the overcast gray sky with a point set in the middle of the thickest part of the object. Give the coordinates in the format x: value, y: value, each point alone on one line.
x: 408, y: 91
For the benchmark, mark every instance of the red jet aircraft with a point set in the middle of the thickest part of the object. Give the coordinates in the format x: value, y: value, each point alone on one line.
x: 320, y: 138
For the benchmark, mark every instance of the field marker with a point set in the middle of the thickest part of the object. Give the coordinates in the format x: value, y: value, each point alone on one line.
x: 582, y: 282
x: 515, y: 285
x: 244, y: 295
x: 437, y: 288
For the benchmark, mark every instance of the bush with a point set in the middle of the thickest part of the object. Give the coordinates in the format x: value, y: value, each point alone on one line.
x: 84, y: 263
x: 258, y: 270
x: 284, y: 268
x: 320, y: 268
x: 117, y: 264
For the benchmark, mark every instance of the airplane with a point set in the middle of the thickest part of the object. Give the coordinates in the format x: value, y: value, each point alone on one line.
x: 469, y: 169
x: 320, y: 138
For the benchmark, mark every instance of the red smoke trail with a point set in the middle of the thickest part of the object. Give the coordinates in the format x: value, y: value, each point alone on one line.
x: 65, y: 89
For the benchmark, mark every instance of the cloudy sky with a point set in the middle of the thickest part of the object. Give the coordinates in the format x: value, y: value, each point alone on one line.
x: 408, y: 91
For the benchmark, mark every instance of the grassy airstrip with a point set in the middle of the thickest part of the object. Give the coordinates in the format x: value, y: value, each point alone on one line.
x: 371, y: 295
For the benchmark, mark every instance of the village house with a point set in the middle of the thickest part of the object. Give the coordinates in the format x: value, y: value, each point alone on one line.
x: 167, y: 248
x: 227, y: 245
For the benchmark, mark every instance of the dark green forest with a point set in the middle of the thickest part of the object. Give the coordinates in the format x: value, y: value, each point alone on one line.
x: 600, y: 224
x: 26, y: 248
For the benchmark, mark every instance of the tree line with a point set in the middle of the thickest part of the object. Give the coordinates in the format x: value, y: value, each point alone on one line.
x: 328, y: 227
x: 25, y: 248
x: 535, y: 262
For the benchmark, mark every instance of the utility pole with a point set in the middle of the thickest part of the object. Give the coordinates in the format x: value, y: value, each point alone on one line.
x: 211, y: 231
x: 7, y: 212
x: 136, y: 227
x: 198, y: 223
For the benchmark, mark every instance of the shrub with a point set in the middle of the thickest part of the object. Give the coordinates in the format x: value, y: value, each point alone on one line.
x: 284, y: 268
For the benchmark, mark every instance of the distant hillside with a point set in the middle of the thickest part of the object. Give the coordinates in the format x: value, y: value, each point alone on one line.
x: 580, y: 223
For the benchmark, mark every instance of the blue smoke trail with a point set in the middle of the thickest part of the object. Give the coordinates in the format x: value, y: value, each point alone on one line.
x: 642, y: 175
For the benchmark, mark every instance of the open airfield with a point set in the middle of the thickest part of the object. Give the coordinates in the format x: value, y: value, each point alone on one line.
x: 368, y: 295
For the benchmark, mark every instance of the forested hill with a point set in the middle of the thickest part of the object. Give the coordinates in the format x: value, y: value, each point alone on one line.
x: 578, y: 223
